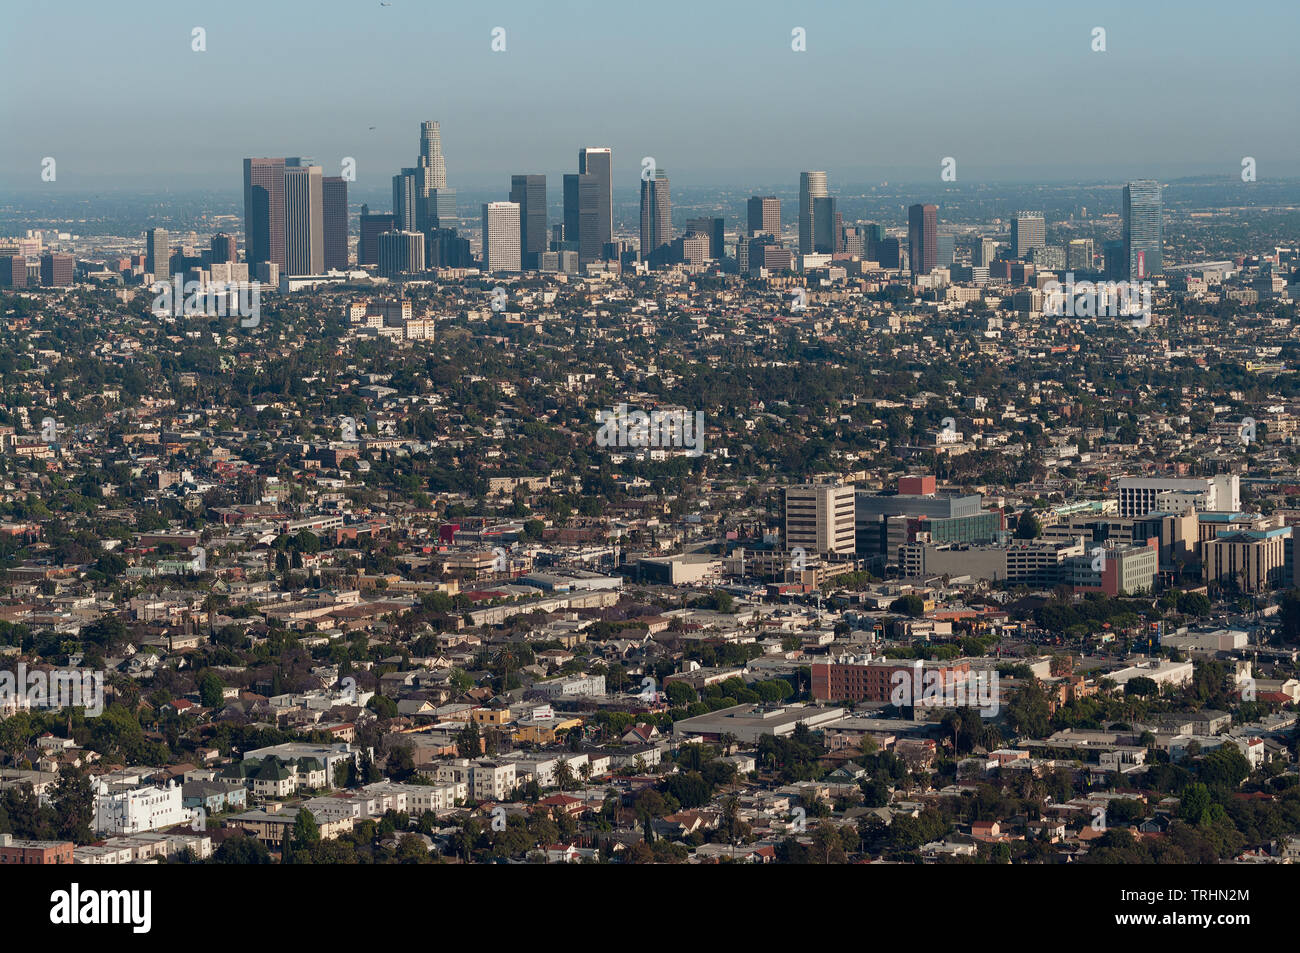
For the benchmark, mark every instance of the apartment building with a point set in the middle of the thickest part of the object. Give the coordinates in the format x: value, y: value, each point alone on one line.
x: 17, y: 851
x: 863, y: 678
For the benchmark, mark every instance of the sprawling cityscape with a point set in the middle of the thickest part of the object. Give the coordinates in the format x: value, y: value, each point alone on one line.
x: 931, y: 522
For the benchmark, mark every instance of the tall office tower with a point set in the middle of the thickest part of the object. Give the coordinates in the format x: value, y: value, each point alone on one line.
x: 401, y: 253
x: 433, y: 167
x: 529, y: 193
x: 57, y: 270
x: 947, y: 250
x: 923, y: 238
x: 656, y: 214
x: 572, y: 208
x: 372, y: 226
x: 406, y: 200
x: 223, y: 248
x: 158, y: 254
x: 599, y: 162
x: 812, y: 186
x: 304, y: 220
x: 825, y: 239
x: 889, y: 253
x: 1144, y: 229
x: 1028, y: 231
x: 501, y: 246
x: 714, y: 229
x: 582, y: 226
x: 438, y: 210
x: 691, y: 248
x: 13, y: 271
x: 764, y: 216
x: 334, y: 196
x: 983, y: 252
x: 264, y: 211
x: 1080, y: 255
x: 443, y: 248
x: 855, y: 242
x: 1114, y: 263
x: 820, y: 518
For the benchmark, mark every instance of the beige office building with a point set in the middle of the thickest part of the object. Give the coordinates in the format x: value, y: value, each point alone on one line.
x: 819, y: 518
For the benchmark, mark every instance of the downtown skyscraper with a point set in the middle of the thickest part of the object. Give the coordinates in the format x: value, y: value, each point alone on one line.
x: 1028, y: 231
x: 433, y: 167
x: 372, y: 226
x: 304, y: 220
x: 598, y: 162
x: 334, y: 202
x: 1143, y: 229
x: 435, y: 203
x: 581, y: 216
x: 264, y: 210
x: 828, y: 227
x: 764, y: 216
x: 529, y: 193
x: 656, y: 213
x: 923, y: 238
x: 406, y: 200
x: 501, y: 229
x: 812, y: 186
x: 158, y: 254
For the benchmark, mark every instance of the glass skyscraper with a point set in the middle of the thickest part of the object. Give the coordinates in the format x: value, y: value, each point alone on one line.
x: 1143, y: 229
x: 812, y: 186
x: 598, y: 162
x: 529, y: 192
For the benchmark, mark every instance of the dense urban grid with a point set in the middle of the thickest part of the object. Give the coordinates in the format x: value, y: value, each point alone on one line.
x: 960, y: 535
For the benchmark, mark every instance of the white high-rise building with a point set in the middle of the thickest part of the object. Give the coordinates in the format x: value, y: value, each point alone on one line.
x: 501, y: 249
x: 1028, y: 231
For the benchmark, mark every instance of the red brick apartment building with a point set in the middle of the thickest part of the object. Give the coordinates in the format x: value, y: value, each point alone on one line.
x: 33, y: 851
x: 862, y: 679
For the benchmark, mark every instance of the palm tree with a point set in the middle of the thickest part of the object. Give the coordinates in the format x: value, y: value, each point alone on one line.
x: 564, y: 776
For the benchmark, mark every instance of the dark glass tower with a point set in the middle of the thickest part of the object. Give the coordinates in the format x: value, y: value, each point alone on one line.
x: 656, y: 214
x: 582, y: 216
x: 264, y: 211
x: 334, y: 192
x: 529, y: 192
x: 599, y: 163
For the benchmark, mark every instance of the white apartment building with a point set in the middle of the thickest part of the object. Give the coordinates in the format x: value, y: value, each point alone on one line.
x: 133, y: 810
x: 491, y: 780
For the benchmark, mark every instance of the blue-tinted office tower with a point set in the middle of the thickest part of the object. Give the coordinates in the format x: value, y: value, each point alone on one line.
x: 1143, y: 229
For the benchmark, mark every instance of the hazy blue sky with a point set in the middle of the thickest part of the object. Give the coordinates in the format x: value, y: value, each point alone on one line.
x: 710, y: 88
